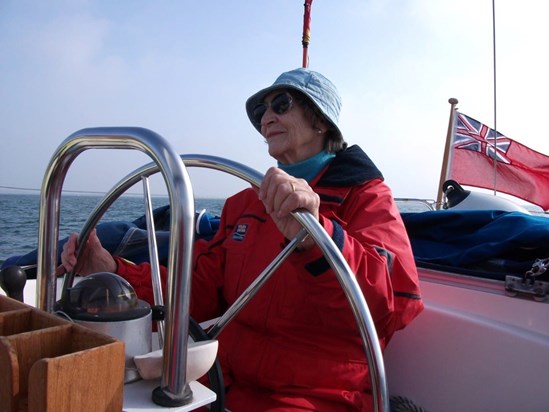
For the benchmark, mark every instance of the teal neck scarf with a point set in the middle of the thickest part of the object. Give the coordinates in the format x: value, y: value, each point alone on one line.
x: 309, y: 168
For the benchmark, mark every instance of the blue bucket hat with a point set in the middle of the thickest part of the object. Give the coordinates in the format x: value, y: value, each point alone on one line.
x: 320, y: 91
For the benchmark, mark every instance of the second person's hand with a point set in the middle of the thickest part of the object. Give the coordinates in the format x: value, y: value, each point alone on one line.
x: 95, y: 258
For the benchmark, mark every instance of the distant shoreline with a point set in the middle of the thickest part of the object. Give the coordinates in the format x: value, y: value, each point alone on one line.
x: 99, y: 194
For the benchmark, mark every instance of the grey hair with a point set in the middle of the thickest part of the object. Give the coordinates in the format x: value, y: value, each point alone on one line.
x: 333, y: 139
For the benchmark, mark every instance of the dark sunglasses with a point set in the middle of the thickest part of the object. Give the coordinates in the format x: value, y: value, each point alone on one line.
x: 281, y: 103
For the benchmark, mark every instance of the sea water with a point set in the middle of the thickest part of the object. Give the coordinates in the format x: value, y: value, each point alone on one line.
x: 19, y: 216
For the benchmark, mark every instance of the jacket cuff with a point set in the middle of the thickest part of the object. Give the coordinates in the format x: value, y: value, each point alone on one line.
x: 127, y: 269
x: 315, y: 262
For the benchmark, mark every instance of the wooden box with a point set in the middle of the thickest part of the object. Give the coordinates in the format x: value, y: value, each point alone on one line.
x: 48, y: 364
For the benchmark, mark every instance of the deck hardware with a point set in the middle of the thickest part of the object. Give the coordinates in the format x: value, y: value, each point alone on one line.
x: 528, y: 285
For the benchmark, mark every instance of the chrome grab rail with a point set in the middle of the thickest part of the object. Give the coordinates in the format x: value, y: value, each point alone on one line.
x: 174, y: 388
x: 344, y: 273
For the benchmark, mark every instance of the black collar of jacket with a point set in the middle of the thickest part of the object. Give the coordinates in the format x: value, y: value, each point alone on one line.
x: 350, y: 167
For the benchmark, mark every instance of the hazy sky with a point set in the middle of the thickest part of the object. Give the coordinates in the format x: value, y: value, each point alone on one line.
x: 185, y: 68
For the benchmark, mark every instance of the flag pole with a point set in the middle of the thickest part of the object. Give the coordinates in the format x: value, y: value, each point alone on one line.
x: 495, y: 99
x: 445, y: 160
x: 306, y: 31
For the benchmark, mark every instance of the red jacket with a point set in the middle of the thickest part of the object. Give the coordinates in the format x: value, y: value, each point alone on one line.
x: 297, y: 342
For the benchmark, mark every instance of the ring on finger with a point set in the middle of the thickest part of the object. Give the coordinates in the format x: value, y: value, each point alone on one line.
x: 292, y: 186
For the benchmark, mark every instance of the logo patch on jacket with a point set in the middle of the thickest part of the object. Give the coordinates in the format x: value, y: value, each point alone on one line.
x: 240, y: 232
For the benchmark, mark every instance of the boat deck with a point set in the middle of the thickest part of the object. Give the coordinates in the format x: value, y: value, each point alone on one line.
x: 473, y: 348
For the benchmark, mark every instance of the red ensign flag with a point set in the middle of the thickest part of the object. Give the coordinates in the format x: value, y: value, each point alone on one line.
x: 520, y: 171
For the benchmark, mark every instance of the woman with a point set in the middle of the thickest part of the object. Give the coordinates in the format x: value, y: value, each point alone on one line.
x: 296, y: 346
